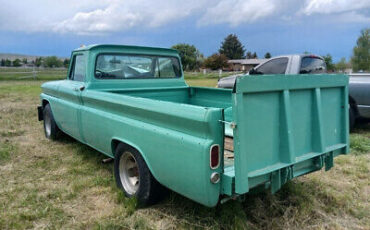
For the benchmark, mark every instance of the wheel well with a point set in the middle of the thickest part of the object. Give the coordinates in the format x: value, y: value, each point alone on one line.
x: 116, y: 142
x: 44, y: 103
x: 353, y: 105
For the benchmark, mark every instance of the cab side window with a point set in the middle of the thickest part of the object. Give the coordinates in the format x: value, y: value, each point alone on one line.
x: 78, y: 69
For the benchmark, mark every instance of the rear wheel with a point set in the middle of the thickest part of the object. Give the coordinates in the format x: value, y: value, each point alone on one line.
x: 51, y: 129
x: 134, y: 177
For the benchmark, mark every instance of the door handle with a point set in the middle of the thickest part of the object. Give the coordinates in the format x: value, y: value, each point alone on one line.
x: 79, y: 89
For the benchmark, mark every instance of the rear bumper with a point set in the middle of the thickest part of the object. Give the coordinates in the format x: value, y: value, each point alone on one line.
x: 40, y: 113
x: 275, y: 176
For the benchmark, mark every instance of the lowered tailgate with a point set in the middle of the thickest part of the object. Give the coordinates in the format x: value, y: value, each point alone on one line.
x: 287, y: 126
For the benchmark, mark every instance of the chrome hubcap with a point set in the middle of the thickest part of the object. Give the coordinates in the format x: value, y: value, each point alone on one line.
x: 47, y: 121
x: 129, y: 173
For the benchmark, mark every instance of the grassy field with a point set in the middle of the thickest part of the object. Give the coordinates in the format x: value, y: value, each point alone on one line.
x: 63, y: 184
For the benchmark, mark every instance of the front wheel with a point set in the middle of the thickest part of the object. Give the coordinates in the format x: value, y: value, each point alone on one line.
x: 51, y: 129
x: 134, y: 177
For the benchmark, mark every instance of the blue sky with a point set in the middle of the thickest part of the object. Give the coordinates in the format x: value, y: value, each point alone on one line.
x: 45, y: 27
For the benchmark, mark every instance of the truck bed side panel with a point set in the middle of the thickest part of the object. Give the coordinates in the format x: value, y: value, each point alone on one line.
x: 174, y: 139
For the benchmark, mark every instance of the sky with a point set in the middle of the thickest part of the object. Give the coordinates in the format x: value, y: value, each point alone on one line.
x: 47, y: 27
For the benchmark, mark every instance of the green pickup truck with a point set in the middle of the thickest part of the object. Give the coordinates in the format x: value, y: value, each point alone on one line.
x: 132, y: 104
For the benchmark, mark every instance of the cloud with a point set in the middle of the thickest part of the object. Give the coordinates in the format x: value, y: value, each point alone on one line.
x: 235, y: 12
x: 89, y: 17
x: 334, y: 6
x: 125, y: 15
x: 339, y: 11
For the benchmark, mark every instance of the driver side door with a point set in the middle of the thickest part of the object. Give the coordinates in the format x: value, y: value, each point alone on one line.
x: 69, y: 103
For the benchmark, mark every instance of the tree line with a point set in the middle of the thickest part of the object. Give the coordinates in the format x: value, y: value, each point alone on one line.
x: 232, y: 48
x: 49, y: 62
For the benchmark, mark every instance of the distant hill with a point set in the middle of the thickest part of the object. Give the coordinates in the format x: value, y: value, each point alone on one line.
x: 30, y: 58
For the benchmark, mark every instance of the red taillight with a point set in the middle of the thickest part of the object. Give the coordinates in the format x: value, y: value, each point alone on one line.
x: 214, y: 156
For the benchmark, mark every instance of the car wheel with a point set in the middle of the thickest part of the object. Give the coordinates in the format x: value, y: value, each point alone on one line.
x: 51, y: 129
x: 352, y: 119
x: 134, y: 177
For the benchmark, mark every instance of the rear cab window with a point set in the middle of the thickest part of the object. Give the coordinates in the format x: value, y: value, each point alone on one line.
x: 274, y: 66
x: 131, y: 66
x: 311, y: 65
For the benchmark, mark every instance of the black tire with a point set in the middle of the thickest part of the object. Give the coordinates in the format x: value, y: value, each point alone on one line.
x: 148, y: 190
x: 352, y: 118
x: 51, y: 129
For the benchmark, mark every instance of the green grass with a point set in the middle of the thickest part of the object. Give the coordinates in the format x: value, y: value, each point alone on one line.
x: 63, y: 184
x: 21, y: 74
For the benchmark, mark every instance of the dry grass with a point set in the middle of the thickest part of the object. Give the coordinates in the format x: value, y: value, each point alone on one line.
x: 63, y: 184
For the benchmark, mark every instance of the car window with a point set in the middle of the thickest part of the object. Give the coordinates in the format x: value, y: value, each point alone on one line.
x: 121, y: 66
x: 312, y: 65
x: 78, y: 68
x: 274, y: 66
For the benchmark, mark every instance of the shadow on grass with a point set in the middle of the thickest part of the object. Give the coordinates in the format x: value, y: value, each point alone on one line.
x: 362, y: 126
x: 87, y: 153
x: 296, y: 203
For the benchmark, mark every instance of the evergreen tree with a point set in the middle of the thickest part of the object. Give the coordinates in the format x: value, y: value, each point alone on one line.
x: 232, y: 48
x: 254, y: 55
x: 249, y: 55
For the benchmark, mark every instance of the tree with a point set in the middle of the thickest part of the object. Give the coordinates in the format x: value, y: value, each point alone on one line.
x: 361, y: 56
x: 329, y: 62
x: 38, y: 61
x: 254, y: 55
x: 232, y: 48
x: 52, y: 62
x: 17, y: 62
x: 2, y: 63
x: 66, y: 62
x: 189, y: 55
x: 8, y: 63
x: 267, y: 55
x: 249, y: 55
x: 341, y: 65
x: 25, y: 61
x: 216, y: 61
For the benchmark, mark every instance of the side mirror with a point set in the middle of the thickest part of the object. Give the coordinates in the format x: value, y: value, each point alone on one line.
x: 252, y: 71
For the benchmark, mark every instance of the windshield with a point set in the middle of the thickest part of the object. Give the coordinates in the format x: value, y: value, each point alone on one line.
x: 121, y: 66
x: 312, y: 65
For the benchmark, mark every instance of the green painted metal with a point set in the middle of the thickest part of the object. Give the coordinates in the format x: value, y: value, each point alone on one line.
x: 285, y: 126
x: 284, y: 122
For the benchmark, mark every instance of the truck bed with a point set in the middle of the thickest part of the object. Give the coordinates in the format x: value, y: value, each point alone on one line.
x: 196, y: 96
x: 284, y: 126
